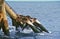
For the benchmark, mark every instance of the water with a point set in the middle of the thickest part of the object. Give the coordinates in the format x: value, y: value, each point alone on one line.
x: 48, y: 13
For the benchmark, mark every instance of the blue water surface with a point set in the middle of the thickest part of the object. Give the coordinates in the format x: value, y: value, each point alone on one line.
x: 48, y: 13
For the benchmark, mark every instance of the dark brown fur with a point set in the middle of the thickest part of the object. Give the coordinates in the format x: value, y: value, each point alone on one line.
x: 1, y: 2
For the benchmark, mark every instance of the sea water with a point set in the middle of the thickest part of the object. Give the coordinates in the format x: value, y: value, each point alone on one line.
x: 48, y: 13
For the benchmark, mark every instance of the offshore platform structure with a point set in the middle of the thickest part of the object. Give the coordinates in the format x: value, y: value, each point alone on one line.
x: 18, y: 20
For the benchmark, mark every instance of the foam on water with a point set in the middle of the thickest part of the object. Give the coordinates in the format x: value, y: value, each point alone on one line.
x: 27, y: 31
x: 12, y: 28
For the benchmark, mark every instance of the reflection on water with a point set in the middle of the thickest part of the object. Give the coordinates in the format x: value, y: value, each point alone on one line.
x: 19, y: 34
x: 28, y: 35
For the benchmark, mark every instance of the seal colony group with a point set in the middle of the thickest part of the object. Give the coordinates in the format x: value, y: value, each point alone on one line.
x: 18, y: 20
